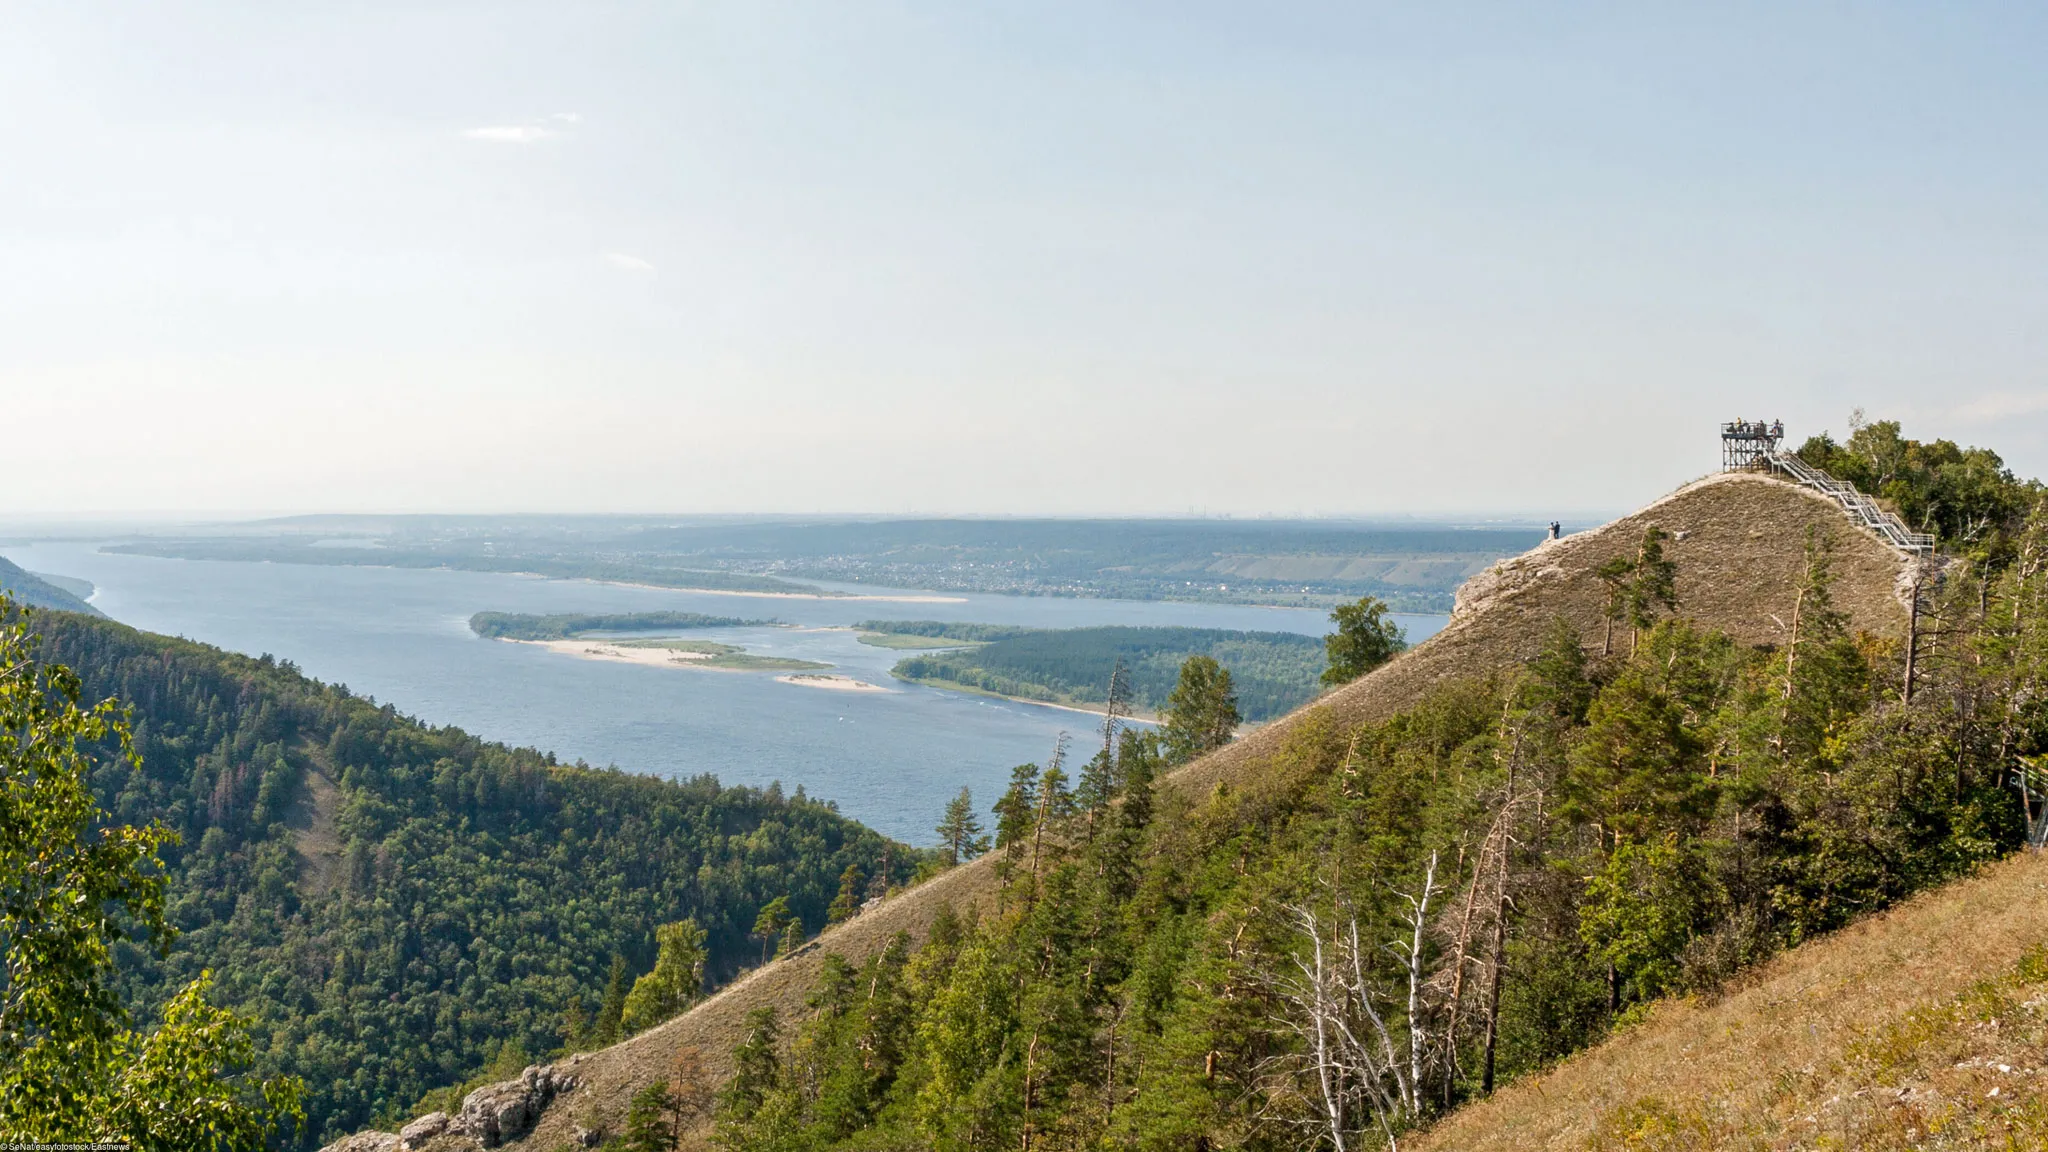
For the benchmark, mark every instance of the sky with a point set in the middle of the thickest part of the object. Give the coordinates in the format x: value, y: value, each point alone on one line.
x: 1041, y: 258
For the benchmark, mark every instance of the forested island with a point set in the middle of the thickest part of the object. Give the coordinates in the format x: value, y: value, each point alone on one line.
x: 569, y: 626
x: 1273, y: 672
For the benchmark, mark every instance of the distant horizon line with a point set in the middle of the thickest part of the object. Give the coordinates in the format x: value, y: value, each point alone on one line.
x: 199, y: 518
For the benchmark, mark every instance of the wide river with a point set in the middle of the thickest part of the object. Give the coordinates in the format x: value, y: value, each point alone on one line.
x: 889, y: 759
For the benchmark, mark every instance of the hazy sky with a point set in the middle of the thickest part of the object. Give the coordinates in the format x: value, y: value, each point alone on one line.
x: 1000, y: 258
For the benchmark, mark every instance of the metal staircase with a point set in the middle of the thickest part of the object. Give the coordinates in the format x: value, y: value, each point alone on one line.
x: 2033, y: 785
x: 1860, y: 508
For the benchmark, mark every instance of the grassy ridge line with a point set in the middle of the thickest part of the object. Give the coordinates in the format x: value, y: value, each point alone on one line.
x: 1876, y: 1037
x: 567, y: 626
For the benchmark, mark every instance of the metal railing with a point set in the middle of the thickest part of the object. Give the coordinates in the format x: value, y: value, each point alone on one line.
x: 1860, y: 508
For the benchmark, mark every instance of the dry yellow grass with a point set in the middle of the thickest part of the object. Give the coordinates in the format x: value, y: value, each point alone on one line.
x: 1923, y: 1027
x: 1738, y: 543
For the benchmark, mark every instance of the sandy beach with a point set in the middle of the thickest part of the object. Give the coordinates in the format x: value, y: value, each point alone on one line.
x: 830, y: 683
x: 599, y: 650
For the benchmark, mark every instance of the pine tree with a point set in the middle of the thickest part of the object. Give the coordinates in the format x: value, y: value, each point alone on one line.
x: 575, y: 1024
x: 1095, y: 791
x: 960, y: 830
x: 1638, y: 771
x: 792, y: 937
x: 1614, y: 575
x: 1560, y: 681
x: 1201, y: 714
x: 756, y: 1067
x: 774, y: 917
x: 1654, y: 585
x: 613, y: 1008
x: 1015, y: 810
x: 844, y: 906
x: 651, y: 1120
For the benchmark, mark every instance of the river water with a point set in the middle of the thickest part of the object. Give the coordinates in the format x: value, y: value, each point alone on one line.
x: 889, y: 759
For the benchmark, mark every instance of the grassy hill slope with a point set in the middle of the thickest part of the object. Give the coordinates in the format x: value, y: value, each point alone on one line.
x: 1923, y: 1027
x: 1737, y: 540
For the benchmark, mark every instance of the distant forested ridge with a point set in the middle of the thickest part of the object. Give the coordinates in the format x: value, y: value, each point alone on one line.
x: 1273, y: 672
x: 28, y: 588
x: 523, y: 626
x: 554, y: 566
x: 397, y: 905
x: 1300, y: 563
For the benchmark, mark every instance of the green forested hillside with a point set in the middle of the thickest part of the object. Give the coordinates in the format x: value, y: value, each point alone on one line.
x: 395, y: 903
x: 1384, y: 921
x: 32, y: 590
x: 1273, y: 672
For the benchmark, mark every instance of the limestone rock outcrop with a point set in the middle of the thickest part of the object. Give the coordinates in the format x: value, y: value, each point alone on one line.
x: 414, y: 1136
x: 364, y: 1142
x: 509, y: 1109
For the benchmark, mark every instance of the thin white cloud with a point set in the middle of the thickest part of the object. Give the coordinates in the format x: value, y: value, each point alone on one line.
x: 2002, y: 405
x: 509, y: 133
x: 628, y: 263
x: 538, y: 130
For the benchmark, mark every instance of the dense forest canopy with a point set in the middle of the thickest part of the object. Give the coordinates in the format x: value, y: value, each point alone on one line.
x: 526, y: 626
x: 1382, y: 921
x: 1273, y: 672
x: 397, y: 905
x: 1965, y: 496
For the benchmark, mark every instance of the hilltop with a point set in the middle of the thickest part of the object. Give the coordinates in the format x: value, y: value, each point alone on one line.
x: 1737, y: 541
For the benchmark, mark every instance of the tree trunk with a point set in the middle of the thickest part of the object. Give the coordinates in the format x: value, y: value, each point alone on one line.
x: 1500, y: 949
x: 1912, y: 643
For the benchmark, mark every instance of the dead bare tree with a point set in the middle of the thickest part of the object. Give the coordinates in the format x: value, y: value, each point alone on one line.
x: 1360, y: 1071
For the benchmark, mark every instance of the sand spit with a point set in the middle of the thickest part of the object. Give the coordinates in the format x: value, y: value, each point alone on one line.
x: 830, y: 683
x: 651, y: 657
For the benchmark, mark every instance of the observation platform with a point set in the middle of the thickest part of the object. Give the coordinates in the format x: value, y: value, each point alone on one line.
x: 1747, y: 444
